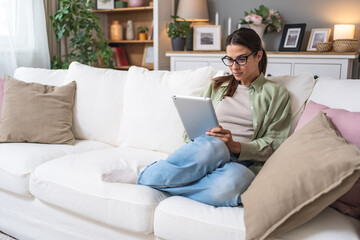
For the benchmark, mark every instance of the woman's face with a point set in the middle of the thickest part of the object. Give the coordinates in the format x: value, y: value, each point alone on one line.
x: 248, y: 72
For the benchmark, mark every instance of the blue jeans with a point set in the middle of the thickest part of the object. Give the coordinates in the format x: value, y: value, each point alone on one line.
x: 202, y: 170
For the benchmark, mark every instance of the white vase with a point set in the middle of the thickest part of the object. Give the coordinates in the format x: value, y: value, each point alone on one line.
x: 259, y: 29
x: 130, y: 35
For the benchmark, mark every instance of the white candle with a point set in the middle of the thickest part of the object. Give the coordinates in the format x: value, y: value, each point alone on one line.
x: 217, y: 18
x: 229, y: 26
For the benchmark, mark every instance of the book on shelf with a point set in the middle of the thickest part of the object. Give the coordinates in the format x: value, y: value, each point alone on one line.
x: 120, y: 56
x: 151, y: 32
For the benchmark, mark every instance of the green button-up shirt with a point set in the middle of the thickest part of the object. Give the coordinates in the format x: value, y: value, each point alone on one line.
x: 271, y: 112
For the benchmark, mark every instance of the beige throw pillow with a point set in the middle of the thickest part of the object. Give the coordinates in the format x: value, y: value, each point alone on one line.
x: 308, y: 172
x: 33, y: 112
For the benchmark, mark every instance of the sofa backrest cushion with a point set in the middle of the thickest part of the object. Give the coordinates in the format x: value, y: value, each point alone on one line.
x: 300, y: 88
x: 41, y: 75
x: 150, y: 120
x: 1, y: 94
x: 341, y: 94
x: 98, y: 102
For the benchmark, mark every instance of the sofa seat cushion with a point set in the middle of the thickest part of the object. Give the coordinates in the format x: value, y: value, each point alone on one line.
x: 18, y: 160
x: 180, y: 218
x: 74, y: 183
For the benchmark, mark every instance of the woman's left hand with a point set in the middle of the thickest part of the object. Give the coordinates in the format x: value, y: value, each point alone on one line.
x: 225, y: 136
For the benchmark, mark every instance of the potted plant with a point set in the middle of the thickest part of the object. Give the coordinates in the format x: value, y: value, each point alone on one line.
x: 142, y: 32
x: 75, y: 23
x: 178, y: 31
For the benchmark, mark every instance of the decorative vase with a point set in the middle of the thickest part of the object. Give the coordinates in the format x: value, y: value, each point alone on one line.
x: 259, y: 29
x: 136, y: 3
x: 115, y: 31
x: 178, y: 44
x: 130, y: 30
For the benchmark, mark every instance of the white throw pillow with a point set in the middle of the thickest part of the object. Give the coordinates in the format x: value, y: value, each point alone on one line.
x: 150, y: 120
x: 300, y: 88
x: 98, y: 102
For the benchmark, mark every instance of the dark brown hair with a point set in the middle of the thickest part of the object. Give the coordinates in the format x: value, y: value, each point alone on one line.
x: 250, y: 39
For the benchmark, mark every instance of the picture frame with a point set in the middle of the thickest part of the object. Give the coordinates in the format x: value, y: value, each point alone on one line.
x: 148, y: 57
x: 318, y: 35
x: 207, y: 38
x: 292, y: 37
x: 105, y: 4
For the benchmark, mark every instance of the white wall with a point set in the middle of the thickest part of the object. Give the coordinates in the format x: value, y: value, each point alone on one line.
x: 315, y: 13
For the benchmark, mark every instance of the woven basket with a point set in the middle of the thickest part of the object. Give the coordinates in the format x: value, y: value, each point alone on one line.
x: 324, y: 46
x: 346, y: 45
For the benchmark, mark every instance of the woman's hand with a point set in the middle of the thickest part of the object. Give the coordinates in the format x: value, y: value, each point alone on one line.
x: 225, y: 136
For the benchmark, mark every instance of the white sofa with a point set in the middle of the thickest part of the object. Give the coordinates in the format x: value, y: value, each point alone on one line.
x: 125, y: 119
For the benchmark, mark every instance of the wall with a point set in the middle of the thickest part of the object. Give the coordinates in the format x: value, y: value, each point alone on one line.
x: 315, y: 13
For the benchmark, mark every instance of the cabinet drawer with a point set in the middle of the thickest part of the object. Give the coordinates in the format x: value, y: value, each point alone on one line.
x: 186, y: 65
x: 278, y: 69
x: 320, y: 70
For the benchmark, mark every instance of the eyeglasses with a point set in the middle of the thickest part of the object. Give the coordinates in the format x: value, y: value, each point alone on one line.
x: 240, y: 60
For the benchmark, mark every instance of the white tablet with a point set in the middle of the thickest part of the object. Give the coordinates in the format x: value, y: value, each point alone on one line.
x: 196, y: 113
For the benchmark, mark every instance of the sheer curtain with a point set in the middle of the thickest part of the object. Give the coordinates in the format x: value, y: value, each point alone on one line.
x: 23, y: 38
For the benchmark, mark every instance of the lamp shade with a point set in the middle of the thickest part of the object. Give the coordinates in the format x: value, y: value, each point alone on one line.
x: 193, y: 10
x: 344, y: 31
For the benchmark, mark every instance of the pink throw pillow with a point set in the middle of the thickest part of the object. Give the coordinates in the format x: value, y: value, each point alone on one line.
x: 1, y: 95
x: 345, y: 122
x: 347, y: 125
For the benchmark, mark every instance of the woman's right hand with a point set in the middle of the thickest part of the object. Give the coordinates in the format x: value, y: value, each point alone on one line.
x: 225, y: 136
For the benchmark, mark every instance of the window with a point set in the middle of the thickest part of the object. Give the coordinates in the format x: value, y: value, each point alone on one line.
x: 4, y: 27
x: 16, y: 25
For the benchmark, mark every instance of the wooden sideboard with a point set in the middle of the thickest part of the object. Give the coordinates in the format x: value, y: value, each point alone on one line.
x: 327, y: 64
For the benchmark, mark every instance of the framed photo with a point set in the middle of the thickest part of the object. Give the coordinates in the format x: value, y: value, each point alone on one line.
x: 207, y: 38
x: 148, y: 57
x: 292, y: 37
x: 105, y: 4
x: 318, y: 35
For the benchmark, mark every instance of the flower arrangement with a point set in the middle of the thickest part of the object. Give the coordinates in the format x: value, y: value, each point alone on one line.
x: 271, y: 18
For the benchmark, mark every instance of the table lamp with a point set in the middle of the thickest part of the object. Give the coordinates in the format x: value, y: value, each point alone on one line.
x: 344, y: 38
x: 344, y: 31
x: 192, y: 11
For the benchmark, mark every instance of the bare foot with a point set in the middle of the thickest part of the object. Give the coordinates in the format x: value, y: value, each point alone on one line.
x: 120, y: 176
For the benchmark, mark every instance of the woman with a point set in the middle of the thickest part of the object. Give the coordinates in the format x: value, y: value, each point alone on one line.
x: 254, y: 116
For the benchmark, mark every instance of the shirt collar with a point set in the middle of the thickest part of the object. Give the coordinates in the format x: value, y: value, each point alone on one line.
x: 258, y: 82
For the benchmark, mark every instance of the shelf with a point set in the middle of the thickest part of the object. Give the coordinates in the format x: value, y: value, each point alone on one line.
x: 122, y: 67
x: 130, y: 9
x: 127, y: 67
x: 132, y: 41
x: 313, y: 53
x: 268, y: 52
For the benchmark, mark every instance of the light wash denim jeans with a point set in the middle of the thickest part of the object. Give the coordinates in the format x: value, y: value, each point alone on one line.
x: 202, y: 170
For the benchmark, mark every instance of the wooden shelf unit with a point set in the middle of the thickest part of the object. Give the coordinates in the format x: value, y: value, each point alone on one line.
x: 132, y: 41
x: 156, y: 15
x: 129, y: 9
